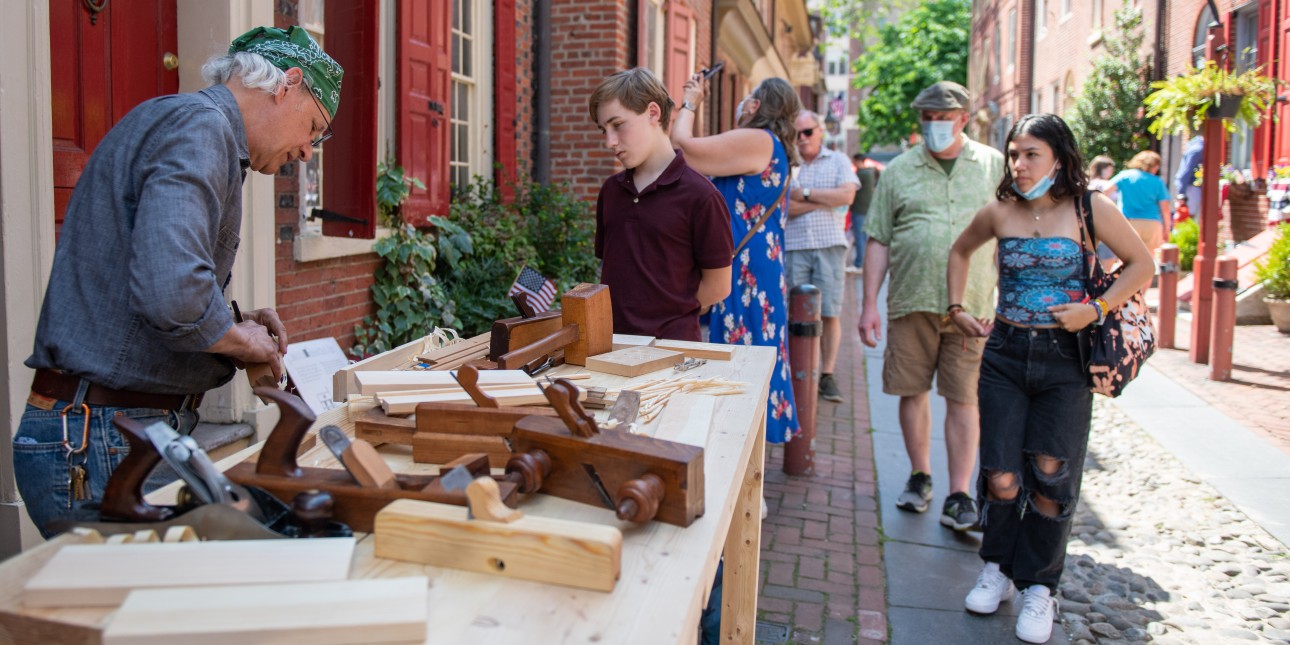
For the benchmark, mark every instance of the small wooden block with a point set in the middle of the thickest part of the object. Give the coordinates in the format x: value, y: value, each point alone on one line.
x: 513, y: 333
x: 563, y: 552
x: 104, y: 574
x: 349, y: 611
x: 712, y: 351
x: 588, y: 306
x: 623, y: 341
x: 367, y: 466
x: 634, y: 361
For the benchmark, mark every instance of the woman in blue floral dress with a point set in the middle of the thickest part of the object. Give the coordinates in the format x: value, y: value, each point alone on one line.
x: 750, y: 166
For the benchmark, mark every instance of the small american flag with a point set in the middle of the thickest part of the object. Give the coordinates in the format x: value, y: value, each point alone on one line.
x: 537, y: 289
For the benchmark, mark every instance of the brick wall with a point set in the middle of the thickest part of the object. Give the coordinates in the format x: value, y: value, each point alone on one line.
x: 524, y: 75
x: 315, y: 299
x: 587, y: 45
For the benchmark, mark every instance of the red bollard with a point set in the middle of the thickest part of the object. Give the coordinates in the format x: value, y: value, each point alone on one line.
x: 1224, y: 328
x: 1167, y: 312
x: 804, y: 329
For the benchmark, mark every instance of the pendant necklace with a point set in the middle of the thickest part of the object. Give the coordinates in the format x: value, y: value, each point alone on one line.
x: 1035, y: 213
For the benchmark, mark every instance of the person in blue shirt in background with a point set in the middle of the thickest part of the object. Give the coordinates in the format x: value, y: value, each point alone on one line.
x: 1185, y: 180
x: 1144, y: 198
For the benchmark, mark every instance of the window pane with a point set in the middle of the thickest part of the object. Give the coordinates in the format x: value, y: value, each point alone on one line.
x: 467, y: 47
x: 456, y: 53
x: 465, y: 16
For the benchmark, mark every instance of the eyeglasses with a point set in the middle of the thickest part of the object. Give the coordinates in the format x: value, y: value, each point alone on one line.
x: 327, y: 134
x: 808, y: 133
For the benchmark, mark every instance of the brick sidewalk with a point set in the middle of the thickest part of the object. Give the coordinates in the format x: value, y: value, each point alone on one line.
x: 1259, y: 393
x: 821, y: 562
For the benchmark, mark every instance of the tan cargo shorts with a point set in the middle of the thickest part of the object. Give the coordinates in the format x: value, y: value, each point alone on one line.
x: 922, y: 345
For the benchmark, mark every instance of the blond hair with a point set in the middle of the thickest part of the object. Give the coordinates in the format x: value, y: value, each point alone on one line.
x: 635, y: 89
x: 1144, y: 161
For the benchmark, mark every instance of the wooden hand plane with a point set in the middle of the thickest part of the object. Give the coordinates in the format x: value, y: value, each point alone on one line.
x: 277, y: 472
x: 639, y: 477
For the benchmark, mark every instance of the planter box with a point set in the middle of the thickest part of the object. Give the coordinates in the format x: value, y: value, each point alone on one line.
x: 1246, y: 210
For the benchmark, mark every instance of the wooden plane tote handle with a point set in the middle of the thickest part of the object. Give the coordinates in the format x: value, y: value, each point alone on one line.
x: 518, y: 358
x: 563, y: 396
x: 278, y: 457
x: 486, y: 502
x: 468, y: 379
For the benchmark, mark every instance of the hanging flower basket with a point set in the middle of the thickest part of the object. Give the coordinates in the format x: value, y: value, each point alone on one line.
x: 1181, y: 104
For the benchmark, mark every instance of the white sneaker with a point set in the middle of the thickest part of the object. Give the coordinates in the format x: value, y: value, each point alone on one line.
x: 1035, y: 623
x: 992, y: 588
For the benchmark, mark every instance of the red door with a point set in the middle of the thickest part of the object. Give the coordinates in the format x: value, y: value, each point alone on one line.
x: 103, y: 65
x: 424, y: 104
x: 1282, y: 33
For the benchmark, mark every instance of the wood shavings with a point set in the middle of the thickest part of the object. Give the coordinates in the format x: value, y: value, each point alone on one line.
x: 655, y: 394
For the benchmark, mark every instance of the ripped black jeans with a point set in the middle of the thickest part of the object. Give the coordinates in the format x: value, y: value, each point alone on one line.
x: 1035, y: 405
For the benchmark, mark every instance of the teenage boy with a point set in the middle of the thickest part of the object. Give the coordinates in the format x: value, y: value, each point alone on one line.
x: 662, y: 229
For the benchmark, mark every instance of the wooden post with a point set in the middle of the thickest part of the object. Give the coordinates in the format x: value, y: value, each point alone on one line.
x: 1211, y: 211
x: 1167, y: 314
x: 804, y: 357
x: 1224, y: 327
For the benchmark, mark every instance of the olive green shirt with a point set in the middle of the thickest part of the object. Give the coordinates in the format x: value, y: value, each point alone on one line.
x: 918, y: 211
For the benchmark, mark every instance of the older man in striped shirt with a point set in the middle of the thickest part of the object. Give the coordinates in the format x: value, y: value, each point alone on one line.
x: 815, y: 238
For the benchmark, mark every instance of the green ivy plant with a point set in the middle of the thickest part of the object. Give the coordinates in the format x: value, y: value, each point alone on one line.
x: 1186, y: 235
x: 410, y: 301
x: 1274, y: 269
x: 1181, y: 104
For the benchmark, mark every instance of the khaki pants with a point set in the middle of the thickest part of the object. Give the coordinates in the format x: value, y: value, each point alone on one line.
x: 1151, y: 232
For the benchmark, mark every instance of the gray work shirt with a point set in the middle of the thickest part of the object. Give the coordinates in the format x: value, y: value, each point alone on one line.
x: 147, y: 247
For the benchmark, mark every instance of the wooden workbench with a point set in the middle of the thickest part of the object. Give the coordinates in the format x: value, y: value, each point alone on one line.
x: 667, y: 571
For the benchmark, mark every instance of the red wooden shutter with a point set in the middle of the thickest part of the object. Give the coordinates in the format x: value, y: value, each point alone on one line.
x: 424, y: 105
x: 349, y: 159
x: 1262, y: 145
x: 1281, y: 34
x: 87, y: 98
x: 504, y: 94
x: 677, y: 62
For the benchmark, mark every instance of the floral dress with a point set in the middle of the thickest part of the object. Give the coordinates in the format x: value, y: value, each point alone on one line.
x: 756, y: 311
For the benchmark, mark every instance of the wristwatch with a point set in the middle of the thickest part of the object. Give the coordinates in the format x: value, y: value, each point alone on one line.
x: 686, y: 105
x: 806, y: 194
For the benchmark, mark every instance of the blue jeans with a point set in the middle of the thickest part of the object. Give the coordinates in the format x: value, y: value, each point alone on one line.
x: 41, y: 464
x: 857, y: 234
x: 1035, y: 401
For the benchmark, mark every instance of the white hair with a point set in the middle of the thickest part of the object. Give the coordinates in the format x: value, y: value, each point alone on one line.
x: 815, y: 116
x: 256, y: 71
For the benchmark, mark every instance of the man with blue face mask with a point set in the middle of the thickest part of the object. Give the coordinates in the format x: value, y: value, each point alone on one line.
x: 925, y: 198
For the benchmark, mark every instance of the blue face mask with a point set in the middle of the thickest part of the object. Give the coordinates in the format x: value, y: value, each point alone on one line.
x: 938, y: 135
x: 1040, y: 188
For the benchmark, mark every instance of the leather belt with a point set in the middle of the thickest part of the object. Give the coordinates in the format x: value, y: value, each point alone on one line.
x: 62, y: 387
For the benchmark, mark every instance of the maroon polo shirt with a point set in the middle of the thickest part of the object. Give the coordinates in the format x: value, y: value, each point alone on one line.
x: 654, y: 244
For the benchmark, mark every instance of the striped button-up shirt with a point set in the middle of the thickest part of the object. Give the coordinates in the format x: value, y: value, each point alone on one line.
x: 822, y: 227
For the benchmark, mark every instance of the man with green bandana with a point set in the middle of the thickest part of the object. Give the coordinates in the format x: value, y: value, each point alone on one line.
x: 134, y: 321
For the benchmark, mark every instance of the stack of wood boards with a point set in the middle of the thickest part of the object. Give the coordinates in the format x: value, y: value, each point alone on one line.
x: 399, y: 392
x: 351, y: 611
x: 410, y: 356
x: 87, y: 575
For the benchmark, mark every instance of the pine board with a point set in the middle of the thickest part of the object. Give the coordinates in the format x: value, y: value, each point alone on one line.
x: 82, y: 575
x: 634, y: 361
x: 350, y: 611
x: 563, y: 552
x: 712, y: 351
x: 371, y: 383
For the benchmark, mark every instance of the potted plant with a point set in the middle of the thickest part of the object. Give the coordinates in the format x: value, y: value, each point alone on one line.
x: 1181, y: 104
x: 1274, y: 272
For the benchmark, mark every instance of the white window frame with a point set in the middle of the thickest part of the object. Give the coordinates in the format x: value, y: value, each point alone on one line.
x: 1041, y: 19
x: 479, y: 121
x: 996, y: 59
x: 1012, y: 40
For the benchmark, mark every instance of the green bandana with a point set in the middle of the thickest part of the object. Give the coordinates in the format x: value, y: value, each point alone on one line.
x: 295, y: 48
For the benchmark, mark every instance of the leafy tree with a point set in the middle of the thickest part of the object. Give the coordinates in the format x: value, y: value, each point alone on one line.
x: 861, y: 19
x: 928, y: 44
x: 1107, y: 118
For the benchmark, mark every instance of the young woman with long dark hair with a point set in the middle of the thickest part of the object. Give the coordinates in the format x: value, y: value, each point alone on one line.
x: 1034, y: 394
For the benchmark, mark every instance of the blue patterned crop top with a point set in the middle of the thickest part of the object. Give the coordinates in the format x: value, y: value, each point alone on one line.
x: 1038, y: 273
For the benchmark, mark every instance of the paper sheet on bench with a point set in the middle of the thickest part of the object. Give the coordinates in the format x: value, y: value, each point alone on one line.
x: 311, y: 364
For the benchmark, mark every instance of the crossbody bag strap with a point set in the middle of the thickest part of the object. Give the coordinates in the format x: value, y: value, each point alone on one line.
x: 779, y: 203
x: 1088, y: 237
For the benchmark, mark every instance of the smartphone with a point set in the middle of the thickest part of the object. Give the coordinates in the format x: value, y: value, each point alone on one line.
x: 712, y: 71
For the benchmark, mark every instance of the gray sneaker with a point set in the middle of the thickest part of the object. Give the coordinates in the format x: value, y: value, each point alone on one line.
x: 959, y: 512
x: 917, y: 493
x: 829, y: 389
